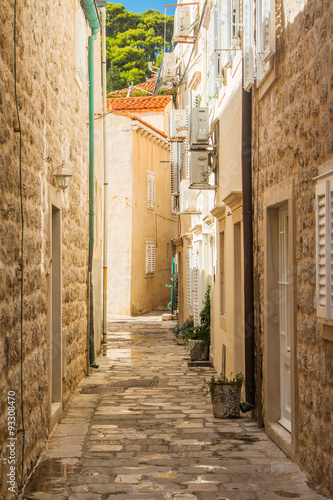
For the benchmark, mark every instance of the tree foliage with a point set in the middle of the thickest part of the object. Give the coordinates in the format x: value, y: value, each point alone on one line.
x: 132, y: 41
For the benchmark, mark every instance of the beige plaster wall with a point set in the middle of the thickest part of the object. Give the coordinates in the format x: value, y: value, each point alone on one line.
x: 120, y: 168
x: 293, y: 113
x: 159, y: 225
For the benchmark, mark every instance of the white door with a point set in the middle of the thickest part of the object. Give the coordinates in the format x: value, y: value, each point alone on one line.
x: 284, y: 321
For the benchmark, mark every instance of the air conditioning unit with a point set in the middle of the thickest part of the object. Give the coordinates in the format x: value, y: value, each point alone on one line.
x: 182, y: 21
x: 177, y: 124
x: 187, y: 198
x: 199, y: 167
x: 199, y: 128
x: 170, y: 67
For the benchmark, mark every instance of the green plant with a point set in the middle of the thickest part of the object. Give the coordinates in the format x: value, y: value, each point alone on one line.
x: 237, y: 380
x: 182, y: 331
x: 202, y: 331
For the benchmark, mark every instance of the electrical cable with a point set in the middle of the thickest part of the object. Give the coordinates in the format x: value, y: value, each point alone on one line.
x: 22, y: 236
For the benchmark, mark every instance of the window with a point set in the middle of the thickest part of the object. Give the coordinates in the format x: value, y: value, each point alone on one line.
x: 80, y: 46
x: 189, y: 278
x: 248, y: 44
x: 324, y: 247
x: 151, y: 190
x: 195, y: 284
x: 222, y: 276
x: 265, y: 35
x: 176, y: 166
x: 150, y: 258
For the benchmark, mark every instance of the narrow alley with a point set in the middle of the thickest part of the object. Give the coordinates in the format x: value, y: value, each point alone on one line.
x: 141, y: 426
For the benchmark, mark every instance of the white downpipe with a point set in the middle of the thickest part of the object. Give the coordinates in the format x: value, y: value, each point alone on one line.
x: 105, y: 156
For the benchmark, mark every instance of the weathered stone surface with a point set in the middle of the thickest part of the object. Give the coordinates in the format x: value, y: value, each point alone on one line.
x: 178, y: 449
x: 294, y: 118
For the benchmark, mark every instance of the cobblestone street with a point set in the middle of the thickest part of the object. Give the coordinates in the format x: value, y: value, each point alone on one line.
x: 141, y: 426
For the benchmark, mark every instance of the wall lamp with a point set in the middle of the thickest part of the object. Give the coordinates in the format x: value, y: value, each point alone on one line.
x: 63, y: 176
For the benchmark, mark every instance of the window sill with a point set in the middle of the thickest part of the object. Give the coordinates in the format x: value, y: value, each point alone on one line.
x: 327, y: 330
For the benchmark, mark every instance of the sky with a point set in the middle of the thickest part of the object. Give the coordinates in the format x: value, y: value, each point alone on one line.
x: 140, y: 6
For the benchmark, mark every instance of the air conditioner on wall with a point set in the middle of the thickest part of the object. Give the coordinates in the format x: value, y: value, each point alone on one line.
x: 187, y: 198
x: 199, y: 167
x: 177, y: 124
x: 170, y: 66
x: 199, y: 128
x: 182, y: 21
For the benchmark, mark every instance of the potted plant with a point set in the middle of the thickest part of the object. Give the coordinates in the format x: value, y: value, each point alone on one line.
x: 225, y: 393
x: 199, y: 338
x: 182, y: 331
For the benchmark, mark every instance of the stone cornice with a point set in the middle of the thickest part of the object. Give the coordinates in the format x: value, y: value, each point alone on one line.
x: 209, y: 220
x: 218, y: 211
x: 234, y: 200
x: 177, y: 241
x: 197, y: 229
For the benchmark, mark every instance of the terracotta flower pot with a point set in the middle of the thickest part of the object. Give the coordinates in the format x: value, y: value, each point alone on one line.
x: 225, y: 400
x: 198, y: 351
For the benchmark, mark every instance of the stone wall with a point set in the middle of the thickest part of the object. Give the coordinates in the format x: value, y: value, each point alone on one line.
x: 53, y: 115
x: 292, y: 138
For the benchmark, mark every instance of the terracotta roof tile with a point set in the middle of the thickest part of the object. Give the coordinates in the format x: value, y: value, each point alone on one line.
x: 149, y: 86
x: 138, y: 103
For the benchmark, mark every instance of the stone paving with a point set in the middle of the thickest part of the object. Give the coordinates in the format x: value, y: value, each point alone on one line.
x: 141, y: 427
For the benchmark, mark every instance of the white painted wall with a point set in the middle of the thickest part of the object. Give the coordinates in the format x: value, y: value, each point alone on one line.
x: 120, y: 137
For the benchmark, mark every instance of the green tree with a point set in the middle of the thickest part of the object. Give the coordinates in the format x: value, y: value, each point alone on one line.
x: 132, y: 41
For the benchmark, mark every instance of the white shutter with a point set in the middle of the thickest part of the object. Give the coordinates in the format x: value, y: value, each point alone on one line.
x: 150, y: 258
x: 174, y: 169
x: 189, y: 278
x: 151, y: 190
x: 330, y: 243
x: 195, y: 287
x: 212, y: 55
x: 187, y: 141
x: 225, y: 17
x: 248, y: 44
x: 265, y: 34
x: 323, y: 248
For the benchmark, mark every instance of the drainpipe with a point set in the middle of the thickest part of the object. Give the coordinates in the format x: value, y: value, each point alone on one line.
x: 92, y: 15
x: 106, y: 180
x: 249, y: 404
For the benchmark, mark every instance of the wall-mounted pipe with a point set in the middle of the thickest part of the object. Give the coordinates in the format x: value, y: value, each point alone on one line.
x: 249, y: 404
x: 92, y: 14
x: 106, y: 179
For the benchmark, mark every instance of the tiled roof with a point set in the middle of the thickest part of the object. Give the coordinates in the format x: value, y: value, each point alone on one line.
x: 149, y: 86
x: 138, y: 103
x: 134, y: 117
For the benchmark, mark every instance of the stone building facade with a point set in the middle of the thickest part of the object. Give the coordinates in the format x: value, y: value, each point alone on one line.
x: 292, y: 145
x: 50, y: 75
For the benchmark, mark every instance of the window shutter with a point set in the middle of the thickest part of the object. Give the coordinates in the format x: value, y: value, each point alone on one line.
x: 187, y: 141
x: 174, y: 168
x: 150, y: 258
x: 151, y: 190
x: 323, y: 256
x: 195, y: 287
x: 265, y: 34
x: 212, y: 54
x: 225, y: 32
x: 188, y: 278
x: 248, y: 44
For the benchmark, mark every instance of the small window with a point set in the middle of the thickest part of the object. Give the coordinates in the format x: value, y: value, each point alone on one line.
x: 150, y: 258
x: 151, y: 190
x: 189, y: 278
x: 222, y: 275
x: 265, y: 36
x: 324, y: 245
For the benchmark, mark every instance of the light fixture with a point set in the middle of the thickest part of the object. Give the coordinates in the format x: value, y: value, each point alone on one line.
x: 63, y: 176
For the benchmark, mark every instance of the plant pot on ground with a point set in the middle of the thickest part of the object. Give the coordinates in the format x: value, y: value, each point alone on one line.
x: 182, y: 331
x: 199, y: 338
x: 225, y: 394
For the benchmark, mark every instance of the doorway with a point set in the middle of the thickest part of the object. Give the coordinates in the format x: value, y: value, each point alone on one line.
x: 56, y: 341
x: 284, y: 320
